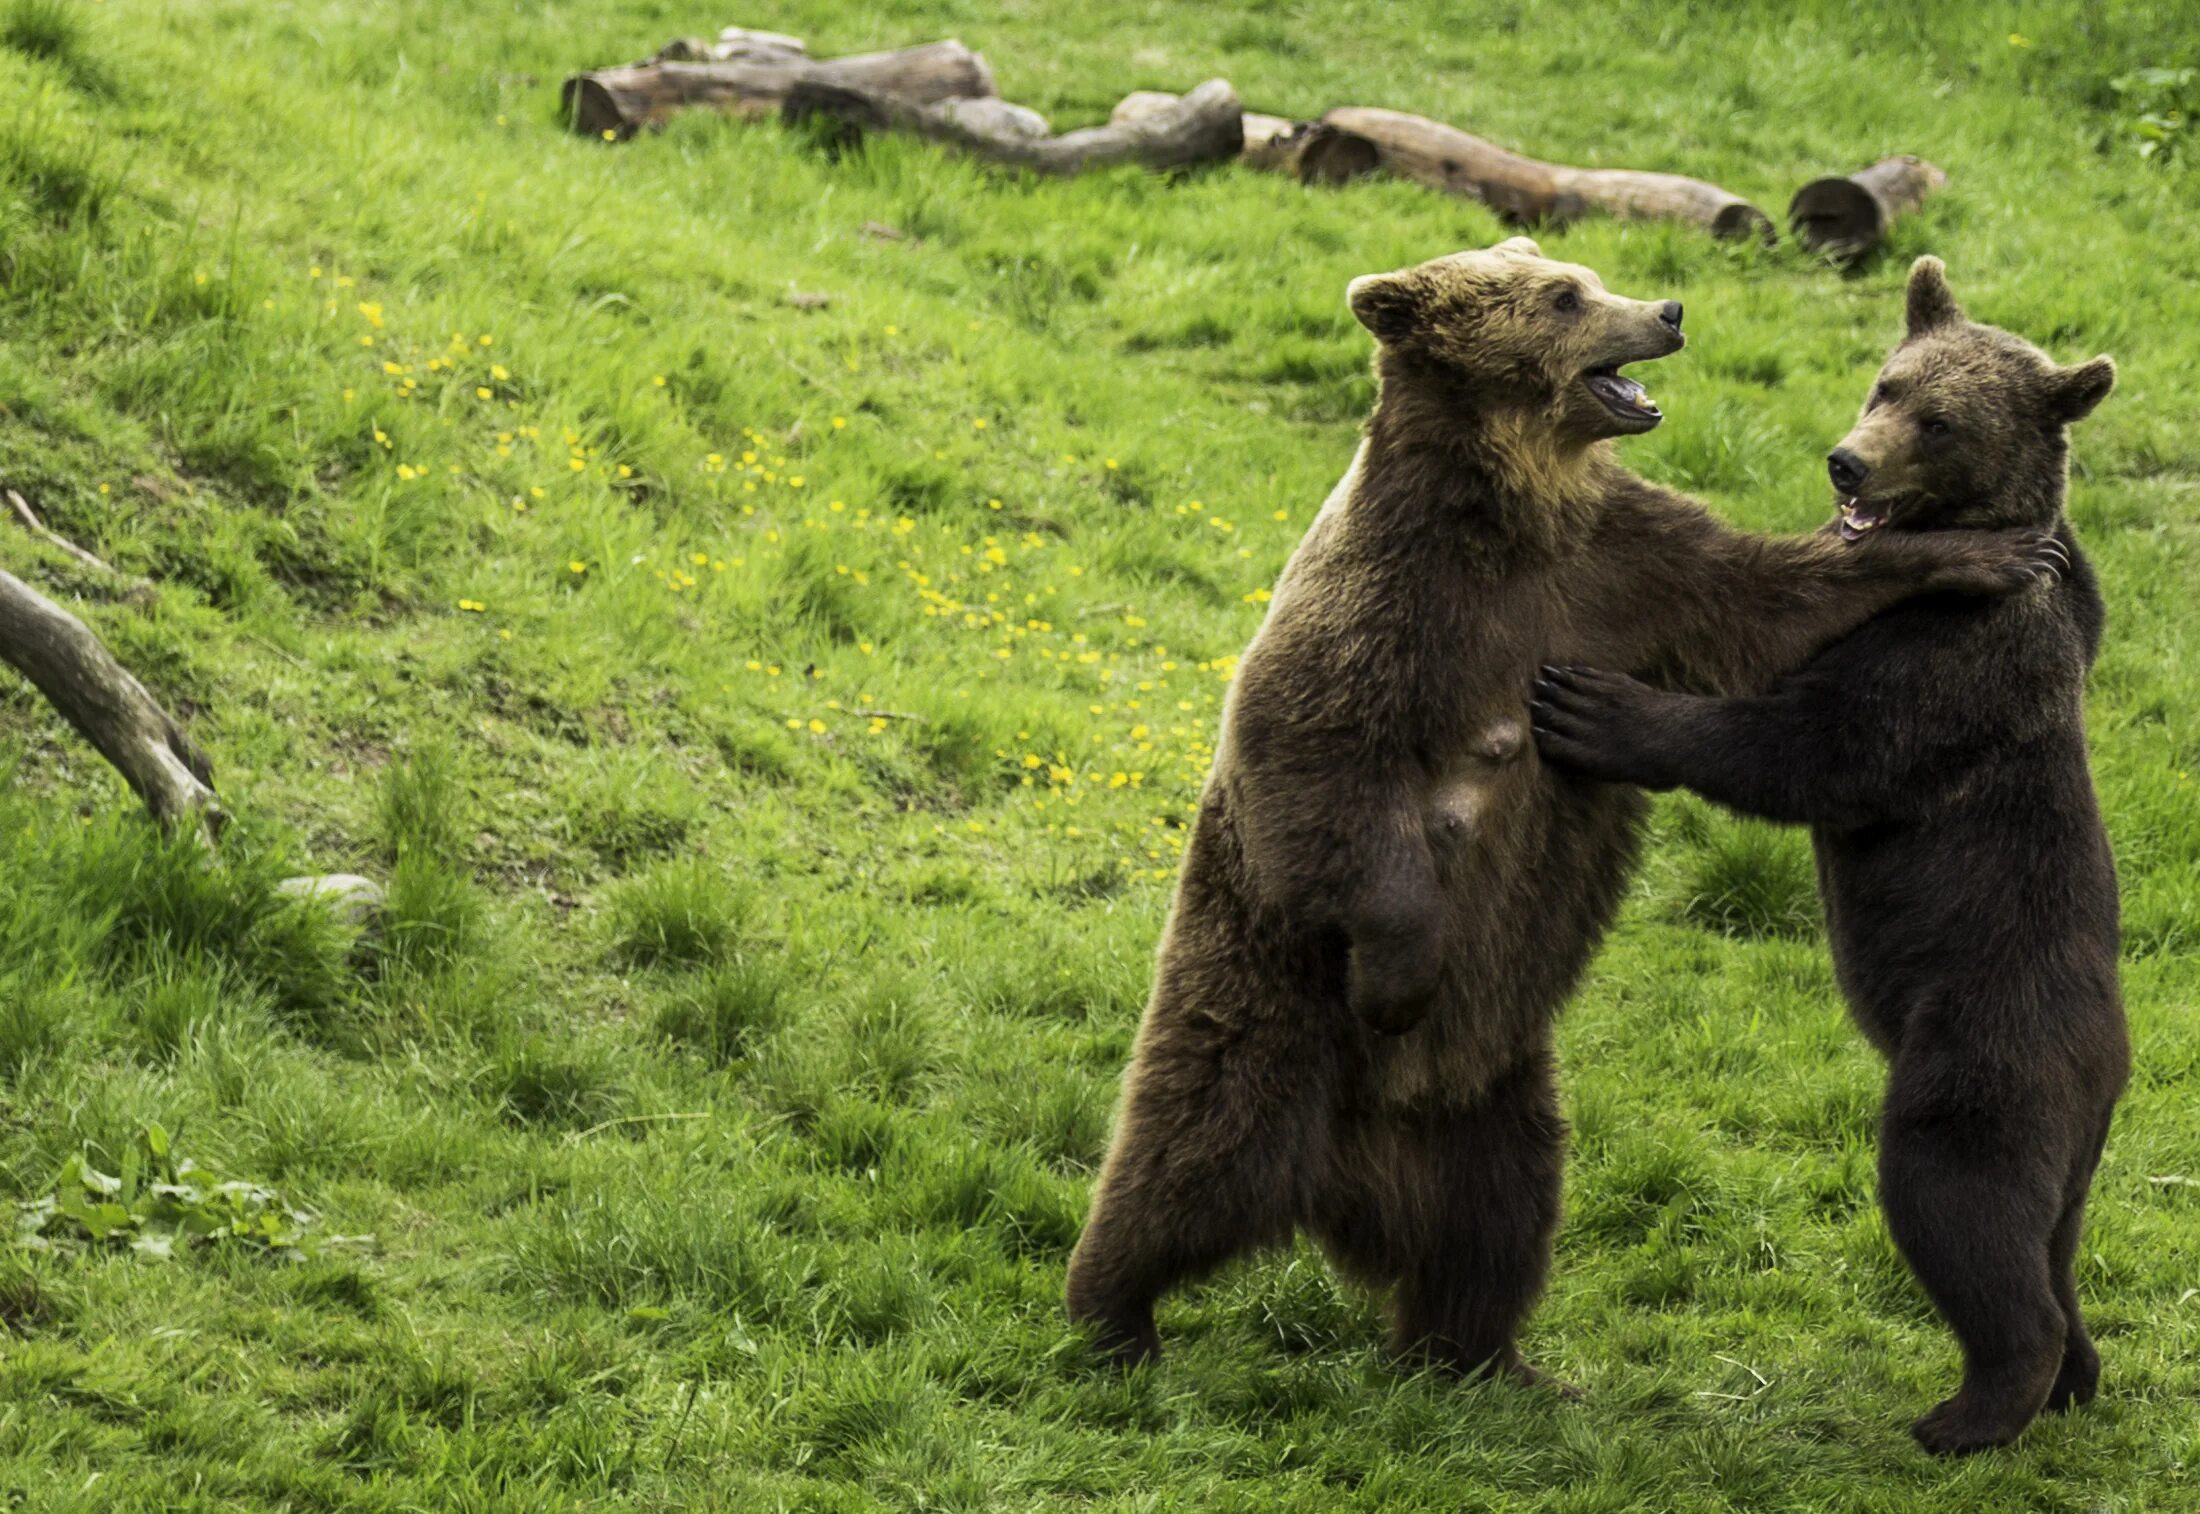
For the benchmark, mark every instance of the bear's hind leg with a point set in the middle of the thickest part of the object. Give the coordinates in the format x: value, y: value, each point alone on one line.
x: 2080, y: 1377
x: 1204, y: 1168
x: 1484, y: 1185
x: 1977, y: 1233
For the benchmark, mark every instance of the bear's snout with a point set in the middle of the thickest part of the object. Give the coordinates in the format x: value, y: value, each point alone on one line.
x: 1847, y: 470
x: 1670, y: 313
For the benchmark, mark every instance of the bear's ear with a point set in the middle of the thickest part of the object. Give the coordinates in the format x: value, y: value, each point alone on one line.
x: 1388, y: 304
x: 1931, y: 306
x: 2073, y: 392
x: 1524, y: 246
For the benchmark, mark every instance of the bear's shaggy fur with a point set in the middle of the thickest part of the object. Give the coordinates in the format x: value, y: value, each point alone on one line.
x: 1939, y: 756
x: 1386, y: 898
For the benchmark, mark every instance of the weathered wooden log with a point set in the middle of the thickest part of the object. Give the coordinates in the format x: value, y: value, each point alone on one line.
x: 1309, y: 151
x: 1845, y: 218
x: 1526, y: 190
x: 623, y: 101
x: 1201, y: 127
x: 78, y: 675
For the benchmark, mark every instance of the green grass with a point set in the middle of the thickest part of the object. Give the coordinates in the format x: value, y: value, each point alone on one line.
x: 777, y: 845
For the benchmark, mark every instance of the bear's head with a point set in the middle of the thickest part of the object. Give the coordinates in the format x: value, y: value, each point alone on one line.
x: 1505, y: 332
x: 1965, y: 426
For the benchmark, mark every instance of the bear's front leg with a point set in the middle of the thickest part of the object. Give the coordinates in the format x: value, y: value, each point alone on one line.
x: 1813, y: 751
x: 1611, y: 727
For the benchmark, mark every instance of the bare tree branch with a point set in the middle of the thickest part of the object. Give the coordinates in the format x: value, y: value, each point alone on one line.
x: 29, y: 518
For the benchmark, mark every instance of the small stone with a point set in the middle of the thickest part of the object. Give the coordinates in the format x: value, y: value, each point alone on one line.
x: 349, y: 897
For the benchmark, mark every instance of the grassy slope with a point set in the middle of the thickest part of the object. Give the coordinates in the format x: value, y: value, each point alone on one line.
x: 725, y: 1093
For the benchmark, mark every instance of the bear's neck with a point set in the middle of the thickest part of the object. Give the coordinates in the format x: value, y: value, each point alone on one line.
x: 1497, y: 482
x: 2009, y: 504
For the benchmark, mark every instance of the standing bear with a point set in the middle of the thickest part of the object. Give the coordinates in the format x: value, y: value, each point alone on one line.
x: 1386, y: 897
x: 1938, y: 755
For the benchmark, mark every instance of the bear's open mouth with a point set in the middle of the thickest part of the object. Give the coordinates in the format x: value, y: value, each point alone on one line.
x: 1858, y: 518
x: 1623, y: 397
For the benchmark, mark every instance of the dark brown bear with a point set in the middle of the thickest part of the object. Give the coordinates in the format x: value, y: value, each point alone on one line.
x: 1386, y: 898
x: 1938, y: 754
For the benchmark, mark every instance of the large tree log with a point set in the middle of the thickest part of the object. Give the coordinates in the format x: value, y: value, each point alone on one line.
x: 1310, y: 151
x: 1523, y: 189
x: 1847, y: 217
x: 755, y: 82
x: 1201, y: 127
x: 96, y: 694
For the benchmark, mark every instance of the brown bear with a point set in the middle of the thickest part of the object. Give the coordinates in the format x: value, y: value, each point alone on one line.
x: 1938, y: 755
x: 1385, y: 898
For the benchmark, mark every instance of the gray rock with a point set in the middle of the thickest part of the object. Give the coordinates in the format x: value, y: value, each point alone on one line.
x: 349, y: 897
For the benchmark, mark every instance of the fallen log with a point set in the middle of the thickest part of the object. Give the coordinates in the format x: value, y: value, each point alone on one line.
x: 1201, y: 127
x: 1526, y: 190
x: 1846, y: 217
x: 755, y: 82
x: 78, y: 675
x: 1312, y: 152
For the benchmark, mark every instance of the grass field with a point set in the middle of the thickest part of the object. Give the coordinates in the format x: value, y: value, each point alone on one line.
x: 778, y: 727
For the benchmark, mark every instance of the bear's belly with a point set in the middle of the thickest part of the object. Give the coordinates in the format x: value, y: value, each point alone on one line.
x: 1533, y: 867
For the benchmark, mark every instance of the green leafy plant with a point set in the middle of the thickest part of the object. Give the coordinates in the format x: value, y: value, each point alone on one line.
x: 160, y: 1202
x: 2160, y: 104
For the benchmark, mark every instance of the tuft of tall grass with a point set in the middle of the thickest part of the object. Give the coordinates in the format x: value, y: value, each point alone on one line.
x: 731, y: 1011
x: 683, y: 913
x: 1750, y: 879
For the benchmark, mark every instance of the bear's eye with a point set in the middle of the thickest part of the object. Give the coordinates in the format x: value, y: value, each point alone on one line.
x: 1568, y: 301
x: 1876, y: 398
x: 1933, y: 425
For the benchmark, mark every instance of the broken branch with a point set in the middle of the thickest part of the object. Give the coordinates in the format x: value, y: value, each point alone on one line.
x: 53, y: 538
x: 67, y: 663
